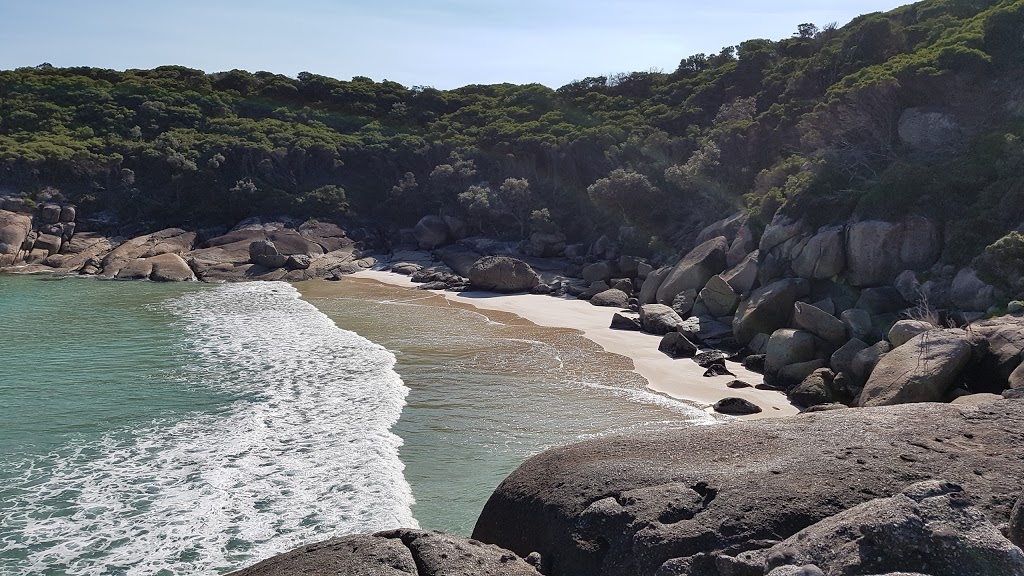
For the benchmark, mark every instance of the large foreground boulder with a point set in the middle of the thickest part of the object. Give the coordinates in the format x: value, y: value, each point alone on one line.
x: 502, y: 274
x: 923, y: 369
x: 632, y: 504
x: 394, y: 553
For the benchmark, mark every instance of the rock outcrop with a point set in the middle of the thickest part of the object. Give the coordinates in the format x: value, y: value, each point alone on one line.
x: 394, y: 553
x: 14, y: 230
x: 710, y: 496
x: 929, y: 527
x: 168, y: 241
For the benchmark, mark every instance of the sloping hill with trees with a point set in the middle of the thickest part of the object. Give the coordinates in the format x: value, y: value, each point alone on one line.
x: 920, y: 109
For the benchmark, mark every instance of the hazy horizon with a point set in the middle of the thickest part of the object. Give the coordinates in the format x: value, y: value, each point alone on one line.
x: 446, y: 44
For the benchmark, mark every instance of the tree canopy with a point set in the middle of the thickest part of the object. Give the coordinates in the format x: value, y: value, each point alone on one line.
x: 791, y: 126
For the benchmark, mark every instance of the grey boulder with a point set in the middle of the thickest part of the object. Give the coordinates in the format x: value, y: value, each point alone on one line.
x: 394, y: 553
x: 922, y: 370
x: 503, y: 274
x: 719, y: 297
x: 649, y: 290
x: 613, y: 297
x: 903, y: 330
x: 431, y: 232
x: 659, y: 319
x: 768, y: 309
x: 820, y: 323
x: 695, y: 269
x: 786, y: 347
x: 635, y: 503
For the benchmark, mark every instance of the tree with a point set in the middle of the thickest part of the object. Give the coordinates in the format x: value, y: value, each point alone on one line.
x: 476, y: 204
x: 627, y: 194
x: 806, y: 31
x: 514, y: 197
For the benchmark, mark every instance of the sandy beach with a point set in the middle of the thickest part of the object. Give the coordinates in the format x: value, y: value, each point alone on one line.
x: 679, y: 378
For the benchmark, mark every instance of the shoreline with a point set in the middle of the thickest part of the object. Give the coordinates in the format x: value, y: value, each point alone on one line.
x: 681, y: 379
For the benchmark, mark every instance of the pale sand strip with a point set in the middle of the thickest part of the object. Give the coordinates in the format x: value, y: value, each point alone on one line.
x: 681, y: 378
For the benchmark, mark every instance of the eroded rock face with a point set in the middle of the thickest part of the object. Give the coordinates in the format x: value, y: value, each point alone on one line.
x: 394, y: 553
x: 633, y: 504
x: 824, y: 255
x: 930, y: 527
x: 503, y: 274
x: 877, y: 251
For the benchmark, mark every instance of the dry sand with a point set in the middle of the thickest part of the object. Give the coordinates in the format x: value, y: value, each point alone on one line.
x: 678, y: 378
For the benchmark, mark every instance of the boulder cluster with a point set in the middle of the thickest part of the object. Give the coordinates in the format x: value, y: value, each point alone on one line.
x: 49, y: 239
x: 862, y: 314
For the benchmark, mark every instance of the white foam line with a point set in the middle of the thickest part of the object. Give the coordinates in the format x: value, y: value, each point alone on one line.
x: 304, y: 454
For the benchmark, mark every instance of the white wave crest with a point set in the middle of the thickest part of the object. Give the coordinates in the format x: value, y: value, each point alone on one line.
x: 305, y: 453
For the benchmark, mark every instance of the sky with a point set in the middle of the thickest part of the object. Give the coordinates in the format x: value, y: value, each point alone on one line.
x: 439, y: 43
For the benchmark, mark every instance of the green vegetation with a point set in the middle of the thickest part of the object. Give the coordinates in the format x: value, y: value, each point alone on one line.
x: 806, y: 125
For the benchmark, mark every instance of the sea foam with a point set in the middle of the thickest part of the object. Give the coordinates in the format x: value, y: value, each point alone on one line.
x: 304, y: 453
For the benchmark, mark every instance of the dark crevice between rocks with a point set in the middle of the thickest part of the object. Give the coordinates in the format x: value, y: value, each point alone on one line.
x: 706, y: 492
x: 407, y: 539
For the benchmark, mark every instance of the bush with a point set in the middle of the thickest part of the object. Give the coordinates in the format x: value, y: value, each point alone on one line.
x: 960, y: 58
x: 1002, y: 264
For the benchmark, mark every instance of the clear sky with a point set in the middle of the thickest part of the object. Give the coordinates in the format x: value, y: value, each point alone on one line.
x: 440, y: 43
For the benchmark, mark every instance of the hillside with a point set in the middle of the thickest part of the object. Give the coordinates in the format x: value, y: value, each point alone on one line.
x: 918, y: 110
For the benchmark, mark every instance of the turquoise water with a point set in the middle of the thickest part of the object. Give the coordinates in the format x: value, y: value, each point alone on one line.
x: 186, y: 429
x: 193, y: 429
x: 489, y: 390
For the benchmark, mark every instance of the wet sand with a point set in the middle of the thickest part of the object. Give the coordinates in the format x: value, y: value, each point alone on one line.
x: 678, y: 378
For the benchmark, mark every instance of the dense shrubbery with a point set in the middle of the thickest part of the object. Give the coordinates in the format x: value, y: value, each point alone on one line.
x: 807, y: 125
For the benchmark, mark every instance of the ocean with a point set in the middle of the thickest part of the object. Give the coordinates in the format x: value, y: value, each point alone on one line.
x: 195, y: 429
